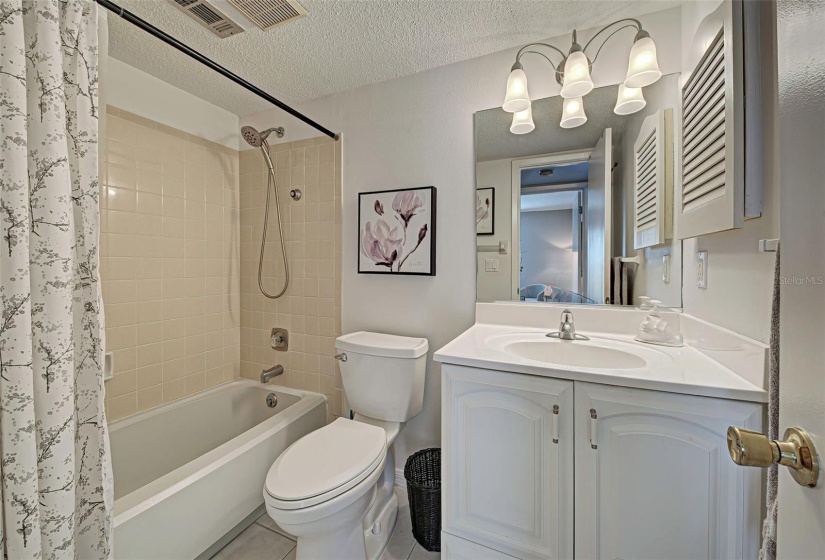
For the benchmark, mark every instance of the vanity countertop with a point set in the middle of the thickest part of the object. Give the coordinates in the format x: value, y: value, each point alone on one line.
x: 682, y: 370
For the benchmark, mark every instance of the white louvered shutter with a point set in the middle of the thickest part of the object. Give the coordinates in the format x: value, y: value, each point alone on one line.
x: 711, y: 196
x: 653, y: 181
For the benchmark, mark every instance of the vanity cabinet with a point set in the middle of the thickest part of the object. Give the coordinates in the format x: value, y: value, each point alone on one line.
x: 648, y: 471
x: 507, y: 458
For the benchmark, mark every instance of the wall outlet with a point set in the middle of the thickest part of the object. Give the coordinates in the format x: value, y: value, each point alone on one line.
x: 491, y: 265
x: 702, y: 269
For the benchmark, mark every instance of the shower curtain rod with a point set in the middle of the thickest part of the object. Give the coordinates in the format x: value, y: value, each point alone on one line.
x: 185, y: 49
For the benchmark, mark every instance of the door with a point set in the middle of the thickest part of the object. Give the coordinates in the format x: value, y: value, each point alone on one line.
x: 654, y: 479
x: 801, y: 65
x: 598, y: 218
x: 507, y: 458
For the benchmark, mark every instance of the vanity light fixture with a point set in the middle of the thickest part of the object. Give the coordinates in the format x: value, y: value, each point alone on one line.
x: 523, y: 121
x: 573, y: 74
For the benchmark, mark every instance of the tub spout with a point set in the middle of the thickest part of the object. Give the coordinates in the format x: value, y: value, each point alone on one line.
x: 274, y: 371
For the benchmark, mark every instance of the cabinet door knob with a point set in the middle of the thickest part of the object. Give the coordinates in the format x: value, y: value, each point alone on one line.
x: 796, y: 451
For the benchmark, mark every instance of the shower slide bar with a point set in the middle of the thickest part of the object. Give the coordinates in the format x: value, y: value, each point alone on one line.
x: 185, y: 49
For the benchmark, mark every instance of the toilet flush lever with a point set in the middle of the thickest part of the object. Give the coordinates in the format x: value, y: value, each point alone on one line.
x: 342, y: 357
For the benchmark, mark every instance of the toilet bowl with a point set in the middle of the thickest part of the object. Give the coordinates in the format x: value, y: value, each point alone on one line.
x: 334, y: 488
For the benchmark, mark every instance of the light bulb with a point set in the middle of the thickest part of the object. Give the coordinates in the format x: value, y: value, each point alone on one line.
x: 523, y: 122
x: 517, y: 98
x: 577, y: 82
x: 572, y: 113
x: 643, y: 68
x: 629, y: 101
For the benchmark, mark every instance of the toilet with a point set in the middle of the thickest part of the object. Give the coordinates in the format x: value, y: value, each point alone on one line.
x: 333, y: 488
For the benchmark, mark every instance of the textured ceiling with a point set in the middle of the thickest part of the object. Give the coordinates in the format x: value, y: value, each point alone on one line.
x: 344, y: 44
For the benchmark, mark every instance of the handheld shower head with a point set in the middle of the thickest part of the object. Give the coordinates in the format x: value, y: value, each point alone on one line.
x: 256, y: 139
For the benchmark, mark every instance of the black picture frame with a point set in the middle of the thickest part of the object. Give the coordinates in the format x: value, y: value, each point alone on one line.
x: 369, y: 198
x: 492, y: 197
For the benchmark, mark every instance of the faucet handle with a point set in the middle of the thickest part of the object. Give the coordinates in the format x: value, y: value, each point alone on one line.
x: 566, y: 321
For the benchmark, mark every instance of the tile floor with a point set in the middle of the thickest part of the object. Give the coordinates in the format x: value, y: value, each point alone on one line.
x: 261, y: 541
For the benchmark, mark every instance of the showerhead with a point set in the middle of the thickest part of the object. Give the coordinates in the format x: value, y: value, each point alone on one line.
x: 256, y: 139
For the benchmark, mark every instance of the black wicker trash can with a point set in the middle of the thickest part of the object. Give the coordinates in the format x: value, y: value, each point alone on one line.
x: 423, y: 475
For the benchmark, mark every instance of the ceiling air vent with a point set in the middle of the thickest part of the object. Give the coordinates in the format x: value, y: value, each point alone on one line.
x: 209, y: 17
x: 267, y: 14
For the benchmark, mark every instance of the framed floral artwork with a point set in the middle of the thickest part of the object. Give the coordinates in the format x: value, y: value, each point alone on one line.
x: 396, y: 232
x: 485, y: 211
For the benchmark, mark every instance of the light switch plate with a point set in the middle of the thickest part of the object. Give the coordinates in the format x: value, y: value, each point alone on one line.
x: 491, y: 265
x: 702, y: 269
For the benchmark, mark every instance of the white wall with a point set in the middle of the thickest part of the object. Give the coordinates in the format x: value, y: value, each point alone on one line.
x: 496, y: 286
x: 142, y: 94
x: 649, y: 274
x: 546, y: 244
x: 418, y: 130
x: 740, y: 278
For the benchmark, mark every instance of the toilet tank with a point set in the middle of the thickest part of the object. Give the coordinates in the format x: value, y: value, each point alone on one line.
x: 383, y: 374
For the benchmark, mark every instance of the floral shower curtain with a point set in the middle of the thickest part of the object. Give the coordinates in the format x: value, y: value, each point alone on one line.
x: 56, y: 470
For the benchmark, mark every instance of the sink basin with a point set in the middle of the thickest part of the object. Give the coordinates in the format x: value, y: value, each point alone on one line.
x: 578, y: 355
x: 596, y: 353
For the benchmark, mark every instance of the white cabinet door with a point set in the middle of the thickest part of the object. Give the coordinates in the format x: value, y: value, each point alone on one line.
x: 454, y: 548
x: 508, y: 485
x: 654, y: 479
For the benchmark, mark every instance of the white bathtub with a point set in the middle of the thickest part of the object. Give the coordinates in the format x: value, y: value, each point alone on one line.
x: 188, y: 472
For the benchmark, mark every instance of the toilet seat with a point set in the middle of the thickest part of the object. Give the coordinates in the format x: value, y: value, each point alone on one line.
x: 325, y: 464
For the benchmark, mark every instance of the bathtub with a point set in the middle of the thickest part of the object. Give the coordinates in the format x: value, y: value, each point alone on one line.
x: 188, y: 472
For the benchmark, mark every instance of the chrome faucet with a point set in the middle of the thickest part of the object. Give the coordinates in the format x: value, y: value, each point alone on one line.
x: 274, y: 371
x: 567, y: 331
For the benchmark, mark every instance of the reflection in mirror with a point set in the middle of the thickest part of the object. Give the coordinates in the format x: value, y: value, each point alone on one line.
x: 580, y: 215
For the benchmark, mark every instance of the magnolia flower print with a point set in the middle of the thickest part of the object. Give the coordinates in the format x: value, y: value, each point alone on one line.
x: 407, y: 204
x: 387, y: 246
x: 381, y: 244
x: 482, y: 209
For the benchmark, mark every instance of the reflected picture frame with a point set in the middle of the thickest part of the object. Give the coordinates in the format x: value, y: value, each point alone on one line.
x: 485, y: 211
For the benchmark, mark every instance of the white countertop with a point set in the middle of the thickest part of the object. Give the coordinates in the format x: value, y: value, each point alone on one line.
x: 682, y: 370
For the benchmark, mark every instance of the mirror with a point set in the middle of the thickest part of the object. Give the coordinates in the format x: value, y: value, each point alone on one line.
x: 579, y: 215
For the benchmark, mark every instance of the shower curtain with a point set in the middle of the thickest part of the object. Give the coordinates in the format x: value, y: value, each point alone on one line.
x: 56, y: 470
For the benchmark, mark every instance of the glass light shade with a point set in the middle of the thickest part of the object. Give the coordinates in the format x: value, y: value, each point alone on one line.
x: 577, y: 82
x: 523, y: 122
x: 517, y: 98
x: 572, y: 113
x: 629, y: 101
x: 643, y: 68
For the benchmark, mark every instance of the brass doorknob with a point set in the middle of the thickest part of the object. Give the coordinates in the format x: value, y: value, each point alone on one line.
x: 796, y: 451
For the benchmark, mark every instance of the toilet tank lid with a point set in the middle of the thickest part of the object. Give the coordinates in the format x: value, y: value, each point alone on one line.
x: 379, y: 344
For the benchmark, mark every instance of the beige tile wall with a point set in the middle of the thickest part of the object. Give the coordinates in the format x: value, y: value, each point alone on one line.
x: 311, y: 307
x: 170, y: 245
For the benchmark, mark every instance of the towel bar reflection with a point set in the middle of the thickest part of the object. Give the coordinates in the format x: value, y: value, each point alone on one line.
x: 635, y: 259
